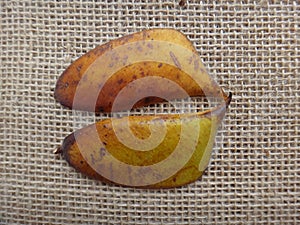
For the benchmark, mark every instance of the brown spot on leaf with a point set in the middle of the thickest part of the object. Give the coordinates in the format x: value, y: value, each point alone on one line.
x: 202, y: 70
x: 85, y: 78
x: 92, y: 158
x: 147, y: 100
x: 102, y: 152
x: 140, y: 48
x: 175, y: 60
x: 196, y: 65
x: 150, y: 45
x: 120, y: 81
x: 79, y: 67
x: 159, y: 65
x: 100, y: 109
x: 111, y: 171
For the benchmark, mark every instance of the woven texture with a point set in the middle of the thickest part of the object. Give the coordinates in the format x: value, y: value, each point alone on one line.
x: 251, y: 48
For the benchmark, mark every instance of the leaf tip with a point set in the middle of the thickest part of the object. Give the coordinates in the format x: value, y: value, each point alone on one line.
x: 57, y: 150
x: 228, y: 99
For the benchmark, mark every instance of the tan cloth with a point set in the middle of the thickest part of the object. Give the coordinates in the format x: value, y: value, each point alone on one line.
x: 251, y: 48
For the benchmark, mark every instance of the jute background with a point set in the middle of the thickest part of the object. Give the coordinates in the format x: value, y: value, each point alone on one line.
x: 250, y: 47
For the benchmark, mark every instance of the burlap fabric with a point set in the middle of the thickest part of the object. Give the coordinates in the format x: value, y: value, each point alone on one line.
x: 250, y: 47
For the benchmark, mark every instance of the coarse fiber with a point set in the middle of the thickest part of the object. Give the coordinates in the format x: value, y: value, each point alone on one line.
x: 251, y: 48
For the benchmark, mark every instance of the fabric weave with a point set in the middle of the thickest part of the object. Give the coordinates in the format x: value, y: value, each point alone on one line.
x: 251, y: 48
